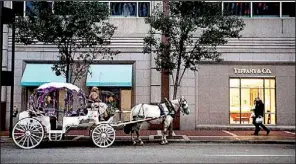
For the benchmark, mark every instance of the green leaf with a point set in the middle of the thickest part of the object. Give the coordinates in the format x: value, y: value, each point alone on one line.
x: 75, y: 27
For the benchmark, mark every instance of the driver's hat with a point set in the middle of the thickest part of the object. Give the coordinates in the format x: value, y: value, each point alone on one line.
x: 94, y: 89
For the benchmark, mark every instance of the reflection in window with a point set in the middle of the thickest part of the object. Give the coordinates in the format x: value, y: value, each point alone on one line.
x: 288, y: 9
x: 266, y: 9
x: 126, y: 9
x: 242, y: 99
x: 30, y: 9
x: 144, y: 9
x: 237, y: 8
x: 18, y: 8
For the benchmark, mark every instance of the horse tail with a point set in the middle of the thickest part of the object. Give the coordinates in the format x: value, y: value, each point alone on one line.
x: 131, y: 114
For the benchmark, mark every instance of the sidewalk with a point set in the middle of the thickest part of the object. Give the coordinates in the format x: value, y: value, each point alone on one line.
x: 190, y: 136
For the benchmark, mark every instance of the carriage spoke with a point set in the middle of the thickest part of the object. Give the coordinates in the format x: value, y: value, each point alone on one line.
x: 97, y: 133
x: 28, y: 133
x: 108, y: 139
x: 20, y: 130
x: 24, y: 141
x: 34, y: 139
x: 30, y: 126
x: 28, y: 141
x: 35, y: 135
x: 103, y: 135
x: 20, y: 136
x: 23, y: 137
x: 110, y: 132
x: 35, y: 127
x: 22, y: 127
x: 31, y: 140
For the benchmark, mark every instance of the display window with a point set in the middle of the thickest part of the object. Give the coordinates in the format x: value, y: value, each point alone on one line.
x: 243, y: 92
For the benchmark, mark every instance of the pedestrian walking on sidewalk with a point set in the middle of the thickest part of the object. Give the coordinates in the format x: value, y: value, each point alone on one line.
x: 259, y: 111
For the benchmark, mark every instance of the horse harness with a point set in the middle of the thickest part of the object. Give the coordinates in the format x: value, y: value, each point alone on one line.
x: 170, y: 107
x: 168, y: 104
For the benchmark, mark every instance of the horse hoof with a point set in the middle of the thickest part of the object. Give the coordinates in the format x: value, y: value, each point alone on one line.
x: 141, y: 144
x: 134, y: 143
x: 162, y: 143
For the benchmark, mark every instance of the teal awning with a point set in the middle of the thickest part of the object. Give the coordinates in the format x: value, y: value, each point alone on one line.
x: 38, y: 74
x: 110, y: 75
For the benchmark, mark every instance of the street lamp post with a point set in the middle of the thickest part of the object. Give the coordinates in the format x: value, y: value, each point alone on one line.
x: 1, y: 48
x: 12, y: 72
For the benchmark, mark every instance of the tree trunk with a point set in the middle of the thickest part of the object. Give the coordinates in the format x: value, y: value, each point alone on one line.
x: 68, y: 75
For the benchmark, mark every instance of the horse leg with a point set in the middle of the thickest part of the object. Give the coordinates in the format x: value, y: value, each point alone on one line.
x: 139, y: 139
x: 164, y: 140
x: 133, y: 139
x: 167, y: 122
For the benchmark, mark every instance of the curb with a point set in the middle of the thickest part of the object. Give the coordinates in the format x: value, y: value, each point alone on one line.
x: 125, y: 140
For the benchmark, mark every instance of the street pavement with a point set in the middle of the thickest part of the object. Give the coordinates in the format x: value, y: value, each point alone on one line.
x: 191, y: 136
x: 85, y: 152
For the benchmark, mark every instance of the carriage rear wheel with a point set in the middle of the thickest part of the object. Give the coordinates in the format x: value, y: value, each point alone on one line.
x: 103, y: 135
x: 28, y: 133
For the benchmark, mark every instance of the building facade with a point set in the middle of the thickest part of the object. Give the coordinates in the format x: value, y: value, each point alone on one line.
x: 260, y: 64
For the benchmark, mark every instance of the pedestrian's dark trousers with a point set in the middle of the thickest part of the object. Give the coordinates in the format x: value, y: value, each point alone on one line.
x: 257, y: 126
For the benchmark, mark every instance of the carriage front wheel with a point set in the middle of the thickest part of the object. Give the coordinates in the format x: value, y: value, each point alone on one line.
x: 28, y: 133
x: 103, y: 135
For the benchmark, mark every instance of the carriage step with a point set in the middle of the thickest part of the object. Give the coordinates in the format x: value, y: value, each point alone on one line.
x: 55, y: 131
x: 55, y: 135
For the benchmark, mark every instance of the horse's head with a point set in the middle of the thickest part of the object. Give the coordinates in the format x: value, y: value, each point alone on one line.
x: 184, y: 105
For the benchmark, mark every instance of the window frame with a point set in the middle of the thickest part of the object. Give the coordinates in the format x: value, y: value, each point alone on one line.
x: 137, y: 8
x: 281, y: 9
x: 222, y: 8
x: 251, y: 10
x: 24, y: 14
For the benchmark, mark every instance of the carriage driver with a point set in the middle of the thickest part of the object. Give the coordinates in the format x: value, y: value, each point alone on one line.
x: 94, y: 95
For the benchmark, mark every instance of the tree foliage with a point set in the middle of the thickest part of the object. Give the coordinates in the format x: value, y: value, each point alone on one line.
x: 193, y: 30
x: 80, y: 31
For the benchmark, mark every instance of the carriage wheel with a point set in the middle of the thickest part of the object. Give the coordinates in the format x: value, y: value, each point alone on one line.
x: 28, y: 133
x: 103, y: 135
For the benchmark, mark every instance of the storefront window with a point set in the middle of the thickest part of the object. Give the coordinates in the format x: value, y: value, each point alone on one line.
x: 126, y: 9
x: 237, y: 8
x: 144, y: 9
x: 263, y: 9
x: 18, y: 8
x: 243, y: 92
x: 31, y: 10
x: 288, y: 9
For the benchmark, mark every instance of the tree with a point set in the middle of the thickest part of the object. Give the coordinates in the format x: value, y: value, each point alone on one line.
x: 185, y: 48
x: 79, y: 30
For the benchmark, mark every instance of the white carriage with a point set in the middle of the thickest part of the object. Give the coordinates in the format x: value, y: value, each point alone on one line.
x: 39, y: 121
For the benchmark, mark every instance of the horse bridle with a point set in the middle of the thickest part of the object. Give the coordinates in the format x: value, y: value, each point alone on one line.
x: 181, y: 105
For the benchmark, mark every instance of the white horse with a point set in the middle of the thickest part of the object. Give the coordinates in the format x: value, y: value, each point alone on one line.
x: 164, y: 112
